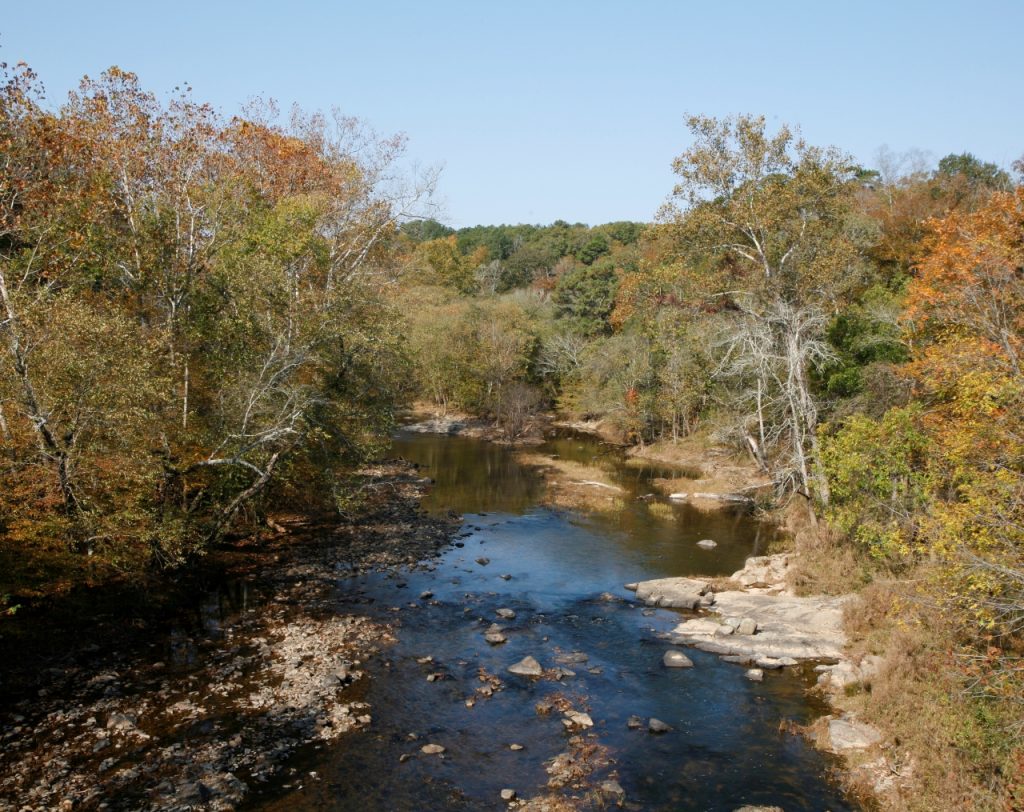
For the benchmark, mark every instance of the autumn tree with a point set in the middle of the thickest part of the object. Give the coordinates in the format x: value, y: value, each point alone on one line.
x: 774, y: 213
x: 192, y: 312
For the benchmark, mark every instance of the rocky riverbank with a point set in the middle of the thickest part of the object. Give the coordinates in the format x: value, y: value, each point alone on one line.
x: 754, y: 619
x: 197, y: 717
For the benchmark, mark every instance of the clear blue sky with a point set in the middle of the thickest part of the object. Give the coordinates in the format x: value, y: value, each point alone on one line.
x: 572, y: 110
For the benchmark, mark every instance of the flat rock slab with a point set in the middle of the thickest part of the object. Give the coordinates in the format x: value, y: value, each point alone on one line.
x: 787, y: 628
x: 846, y: 734
x: 673, y: 593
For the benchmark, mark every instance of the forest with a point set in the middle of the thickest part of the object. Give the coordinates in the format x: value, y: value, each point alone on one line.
x: 205, y: 319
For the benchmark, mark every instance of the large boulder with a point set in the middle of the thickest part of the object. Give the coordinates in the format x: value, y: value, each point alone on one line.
x: 847, y: 734
x: 672, y: 593
x: 766, y: 572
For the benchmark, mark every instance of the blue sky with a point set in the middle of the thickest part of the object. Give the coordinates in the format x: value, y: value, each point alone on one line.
x: 571, y: 110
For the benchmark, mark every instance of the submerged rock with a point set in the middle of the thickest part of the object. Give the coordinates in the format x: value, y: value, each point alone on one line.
x: 613, y: 788
x: 432, y: 749
x: 755, y: 675
x: 506, y: 614
x: 707, y: 544
x: 658, y: 726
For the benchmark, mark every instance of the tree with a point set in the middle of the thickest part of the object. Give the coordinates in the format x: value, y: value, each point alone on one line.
x: 586, y: 296
x: 774, y: 212
x: 191, y: 312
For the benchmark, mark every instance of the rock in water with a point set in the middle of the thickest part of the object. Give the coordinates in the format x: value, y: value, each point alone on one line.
x: 508, y: 795
x: 581, y: 719
x: 707, y: 544
x: 673, y: 593
x: 634, y: 723
x: 494, y: 636
x: 526, y: 667
x: 432, y: 749
x: 676, y: 659
x: 613, y: 788
x: 483, y: 562
x: 755, y: 675
x: 506, y: 614
x: 658, y: 726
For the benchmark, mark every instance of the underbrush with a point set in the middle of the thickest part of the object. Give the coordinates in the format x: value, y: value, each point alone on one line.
x: 952, y: 745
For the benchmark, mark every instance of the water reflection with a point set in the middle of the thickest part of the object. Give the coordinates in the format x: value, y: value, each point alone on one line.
x: 477, y: 477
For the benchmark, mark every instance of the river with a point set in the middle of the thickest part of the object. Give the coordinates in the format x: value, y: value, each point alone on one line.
x: 562, y: 573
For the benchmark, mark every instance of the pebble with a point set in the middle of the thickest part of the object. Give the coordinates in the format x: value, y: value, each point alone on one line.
x: 515, y: 747
x: 482, y: 561
x: 432, y: 749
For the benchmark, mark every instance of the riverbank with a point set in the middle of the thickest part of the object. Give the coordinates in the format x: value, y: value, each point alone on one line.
x: 804, y: 604
x: 755, y: 620
x: 198, y: 712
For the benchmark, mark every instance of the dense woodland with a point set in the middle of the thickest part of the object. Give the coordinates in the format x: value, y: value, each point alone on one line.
x: 204, y: 319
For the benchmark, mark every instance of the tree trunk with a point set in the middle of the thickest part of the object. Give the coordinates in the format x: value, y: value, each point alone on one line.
x: 49, y: 444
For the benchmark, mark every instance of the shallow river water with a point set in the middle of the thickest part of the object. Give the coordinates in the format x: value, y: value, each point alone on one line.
x: 728, y: 747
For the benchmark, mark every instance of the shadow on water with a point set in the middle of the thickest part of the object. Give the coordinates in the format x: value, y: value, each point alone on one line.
x: 561, y: 572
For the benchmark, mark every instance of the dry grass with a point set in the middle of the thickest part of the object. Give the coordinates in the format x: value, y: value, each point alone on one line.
x: 947, y: 750
x: 825, y: 566
x: 661, y: 511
